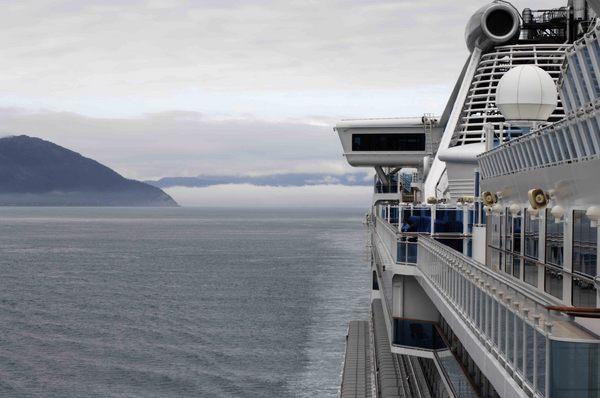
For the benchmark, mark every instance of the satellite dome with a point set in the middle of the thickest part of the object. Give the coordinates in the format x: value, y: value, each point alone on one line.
x: 526, y: 93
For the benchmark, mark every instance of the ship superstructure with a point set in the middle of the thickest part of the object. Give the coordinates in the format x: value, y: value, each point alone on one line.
x: 483, y: 229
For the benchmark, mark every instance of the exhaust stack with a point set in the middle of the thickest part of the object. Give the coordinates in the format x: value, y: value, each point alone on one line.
x: 492, y: 24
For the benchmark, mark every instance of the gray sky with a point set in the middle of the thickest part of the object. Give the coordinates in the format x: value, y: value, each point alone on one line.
x: 168, y: 88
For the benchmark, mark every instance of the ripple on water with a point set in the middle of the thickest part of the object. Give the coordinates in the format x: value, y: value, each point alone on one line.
x: 177, y: 302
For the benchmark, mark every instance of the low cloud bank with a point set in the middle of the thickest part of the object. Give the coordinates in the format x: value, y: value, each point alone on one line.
x: 247, y: 195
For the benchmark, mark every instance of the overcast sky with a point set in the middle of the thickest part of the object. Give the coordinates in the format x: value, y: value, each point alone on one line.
x: 157, y: 88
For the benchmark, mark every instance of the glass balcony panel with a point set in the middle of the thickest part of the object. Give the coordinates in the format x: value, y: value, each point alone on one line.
x: 502, y: 330
x: 584, y: 292
x: 540, y: 362
x: 510, y: 334
x: 574, y: 369
x: 519, y: 343
x: 553, y: 282
x: 418, y: 334
x: 488, y: 317
x: 529, y: 353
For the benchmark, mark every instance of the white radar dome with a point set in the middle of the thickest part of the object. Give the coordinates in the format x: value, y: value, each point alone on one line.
x: 526, y: 93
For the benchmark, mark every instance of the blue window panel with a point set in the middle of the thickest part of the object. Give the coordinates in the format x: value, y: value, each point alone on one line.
x: 448, y: 221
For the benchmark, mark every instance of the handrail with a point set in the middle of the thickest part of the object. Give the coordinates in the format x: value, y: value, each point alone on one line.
x: 582, y: 312
x: 510, y: 283
x: 574, y: 309
x: 553, y: 132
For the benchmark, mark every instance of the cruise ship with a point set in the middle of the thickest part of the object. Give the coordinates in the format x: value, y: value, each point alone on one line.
x: 483, y: 229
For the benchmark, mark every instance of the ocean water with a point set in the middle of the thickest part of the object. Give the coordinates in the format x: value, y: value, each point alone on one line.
x: 101, y: 302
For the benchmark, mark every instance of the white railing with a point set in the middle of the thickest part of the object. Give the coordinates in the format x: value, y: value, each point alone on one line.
x: 388, y: 235
x: 513, y: 325
x: 539, y: 348
x: 567, y: 141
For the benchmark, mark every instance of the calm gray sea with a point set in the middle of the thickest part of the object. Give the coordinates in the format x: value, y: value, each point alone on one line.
x: 104, y: 302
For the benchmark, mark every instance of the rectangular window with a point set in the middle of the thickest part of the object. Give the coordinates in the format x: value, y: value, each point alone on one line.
x: 554, y: 240
x: 530, y: 272
x: 585, y: 244
x: 553, y: 282
x: 532, y: 231
x: 584, y: 292
x: 508, y: 268
x: 516, y: 269
x: 516, y: 230
x: 448, y: 221
x: 513, y: 244
x: 388, y: 142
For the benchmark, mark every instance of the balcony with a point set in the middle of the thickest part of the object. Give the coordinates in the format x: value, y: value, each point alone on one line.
x: 542, y: 351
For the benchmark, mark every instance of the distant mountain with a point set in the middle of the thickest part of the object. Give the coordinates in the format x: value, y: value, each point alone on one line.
x: 284, y: 180
x: 34, y: 172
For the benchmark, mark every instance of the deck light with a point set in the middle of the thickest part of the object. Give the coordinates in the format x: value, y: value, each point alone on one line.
x: 558, y: 212
x: 593, y: 213
x: 533, y: 213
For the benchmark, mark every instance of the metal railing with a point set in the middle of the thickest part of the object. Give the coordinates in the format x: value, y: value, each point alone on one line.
x: 567, y: 141
x: 540, y: 348
x: 511, y: 323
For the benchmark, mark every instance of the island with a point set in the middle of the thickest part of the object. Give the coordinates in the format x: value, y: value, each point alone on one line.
x: 35, y: 172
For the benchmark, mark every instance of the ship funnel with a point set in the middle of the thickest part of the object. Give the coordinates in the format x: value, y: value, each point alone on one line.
x: 492, y: 24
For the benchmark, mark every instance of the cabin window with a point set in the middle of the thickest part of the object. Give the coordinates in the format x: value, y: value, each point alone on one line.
x: 496, y: 225
x: 532, y: 231
x: 448, y: 221
x: 513, y: 243
x: 584, y: 292
x: 388, y: 142
x: 585, y: 244
x: 530, y: 272
x: 554, y: 240
x: 553, y: 282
